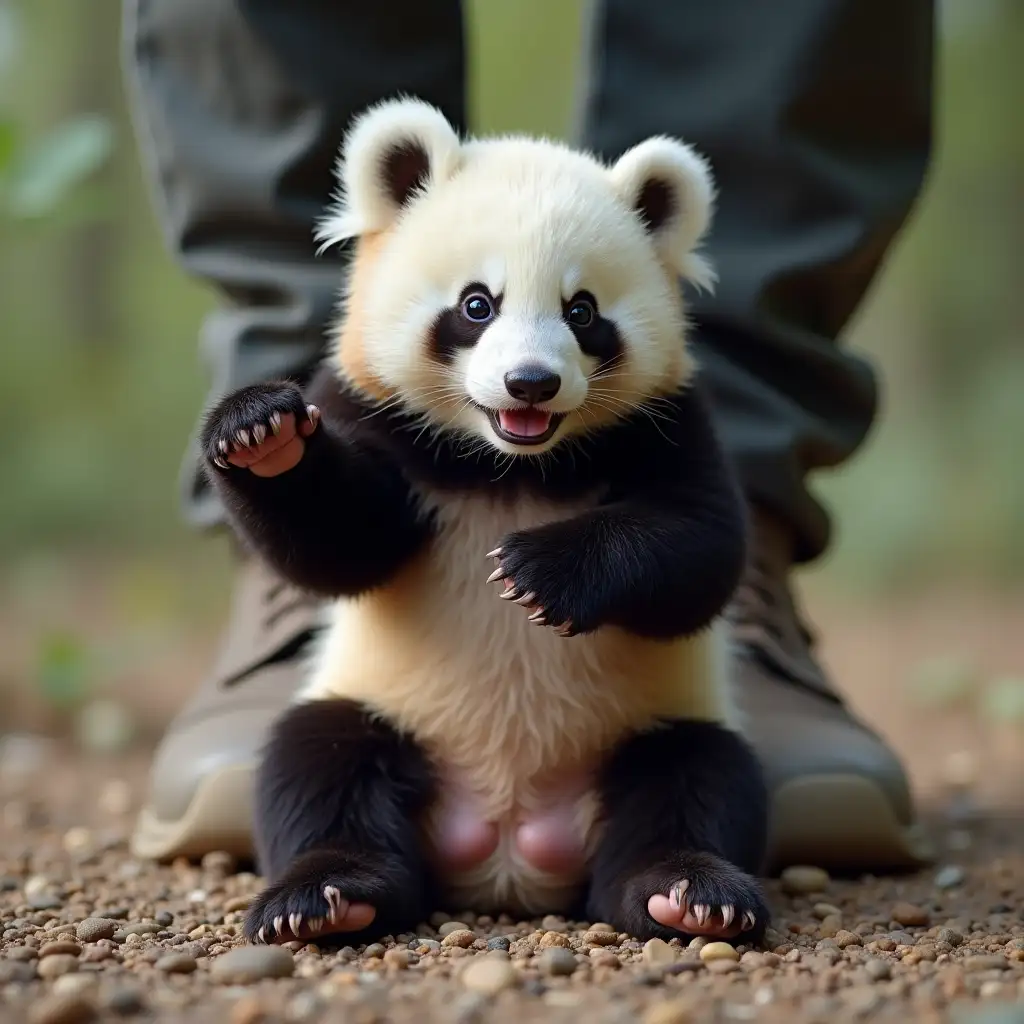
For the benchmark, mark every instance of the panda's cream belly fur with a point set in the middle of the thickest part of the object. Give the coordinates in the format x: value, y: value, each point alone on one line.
x: 515, y: 717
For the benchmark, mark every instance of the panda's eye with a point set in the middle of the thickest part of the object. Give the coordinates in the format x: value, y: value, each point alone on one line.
x: 582, y: 313
x: 477, y: 307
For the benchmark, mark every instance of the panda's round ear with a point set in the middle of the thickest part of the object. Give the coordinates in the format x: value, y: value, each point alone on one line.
x: 392, y: 152
x: 670, y: 186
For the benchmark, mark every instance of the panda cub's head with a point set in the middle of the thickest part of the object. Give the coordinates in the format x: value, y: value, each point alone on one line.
x: 513, y: 290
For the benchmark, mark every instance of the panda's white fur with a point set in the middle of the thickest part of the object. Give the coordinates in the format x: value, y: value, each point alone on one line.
x: 505, y: 708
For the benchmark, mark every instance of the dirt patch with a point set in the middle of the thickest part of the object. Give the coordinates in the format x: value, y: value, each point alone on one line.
x: 89, y: 933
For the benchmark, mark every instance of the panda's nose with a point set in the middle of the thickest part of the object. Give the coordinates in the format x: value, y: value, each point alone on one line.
x: 532, y: 383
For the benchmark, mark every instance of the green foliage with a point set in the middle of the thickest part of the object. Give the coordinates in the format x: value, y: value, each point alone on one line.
x: 39, y: 180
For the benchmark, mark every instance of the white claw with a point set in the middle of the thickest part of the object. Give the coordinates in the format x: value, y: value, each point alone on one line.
x: 275, y: 423
x: 243, y: 438
x: 528, y: 598
x: 701, y: 911
x: 313, y: 413
x: 259, y: 433
x: 261, y: 935
x: 539, y: 622
x: 498, y: 574
x: 496, y: 553
x: 537, y: 616
x: 295, y: 923
x: 224, y: 447
x: 728, y: 913
x: 314, y: 924
x: 333, y: 897
x: 565, y: 629
x: 509, y: 594
x: 748, y: 921
x: 218, y: 461
x: 675, y: 897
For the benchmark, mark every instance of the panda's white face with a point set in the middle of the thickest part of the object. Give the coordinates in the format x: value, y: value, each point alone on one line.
x: 514, y: 293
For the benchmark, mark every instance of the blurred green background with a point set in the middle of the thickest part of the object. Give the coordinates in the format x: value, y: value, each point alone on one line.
x: 102, y: 585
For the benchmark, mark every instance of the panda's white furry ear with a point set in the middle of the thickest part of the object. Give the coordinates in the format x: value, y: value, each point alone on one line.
x: 392, y: 152
x: 671, y: 188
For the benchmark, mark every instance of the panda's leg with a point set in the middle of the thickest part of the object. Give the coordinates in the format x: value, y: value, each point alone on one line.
x: 339, y: 796
x: 685, y: 814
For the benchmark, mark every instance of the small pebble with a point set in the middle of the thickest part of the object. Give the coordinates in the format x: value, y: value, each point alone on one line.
x: 823, y: 910
x: 55, y: 948
x: 553, y: 924
x: 950, y: 876
x: 985, y: 963
x: 63, y: 1009
x: 600, y: 938
x: 722, y: 966
x: 461, y: 937
x: 557, y: 961
x: 910, y: 915
x: 490, y: 976
x: 246, y: 964
x: 844, y: 939
x: 176, y: 963
x: 499, y: 942
x: 374, y: 951
x: 452, y: 926
x: 126, y: 1002
x: 718, y: 951
x: 59, y: 963
x: 397, y: 958
x: 949, y: 936
x: 16, y: 972
x: 678, y: 1011
x: 549, y: 939
x: 657, y: 951
x: 802, y: 879
x: 878, y: 970
x: 248, y: 1010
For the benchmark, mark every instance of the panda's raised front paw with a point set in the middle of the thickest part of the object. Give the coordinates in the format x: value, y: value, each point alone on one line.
x: 260, y: 428
x: 541, y: 570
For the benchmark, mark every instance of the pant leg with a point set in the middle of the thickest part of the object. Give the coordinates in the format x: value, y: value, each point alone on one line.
x: 816, y: 117
x: 240, y: 107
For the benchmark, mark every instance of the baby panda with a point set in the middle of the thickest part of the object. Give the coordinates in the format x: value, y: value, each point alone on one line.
x: 505, y: 480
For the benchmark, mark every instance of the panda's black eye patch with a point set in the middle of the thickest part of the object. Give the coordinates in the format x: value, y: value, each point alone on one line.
x: 596, y: 336
x: 461, y: 325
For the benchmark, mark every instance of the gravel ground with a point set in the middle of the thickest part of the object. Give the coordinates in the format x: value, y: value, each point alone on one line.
x: 88, y: 933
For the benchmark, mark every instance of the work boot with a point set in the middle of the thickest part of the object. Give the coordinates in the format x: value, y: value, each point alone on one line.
x: 201, y: 782
x: 841, y: 799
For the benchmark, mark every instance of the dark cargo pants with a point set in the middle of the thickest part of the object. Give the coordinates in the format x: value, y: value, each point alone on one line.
x: 815, y: 115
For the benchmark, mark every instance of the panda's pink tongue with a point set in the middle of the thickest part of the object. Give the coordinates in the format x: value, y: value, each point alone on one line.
x: 524, y: 422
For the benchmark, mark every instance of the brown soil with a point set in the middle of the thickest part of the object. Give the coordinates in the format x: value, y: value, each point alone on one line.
x: 878, y: 948
x: 919, y: 947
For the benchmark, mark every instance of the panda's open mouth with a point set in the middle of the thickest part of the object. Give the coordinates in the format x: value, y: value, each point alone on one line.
x: 524, y: 426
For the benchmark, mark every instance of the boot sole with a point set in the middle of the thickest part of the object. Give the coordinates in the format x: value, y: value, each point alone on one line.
x: 844, y: 823
x: 218, y: 818
x: 839, y: 822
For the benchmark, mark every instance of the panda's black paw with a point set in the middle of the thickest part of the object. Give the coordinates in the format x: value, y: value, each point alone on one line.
x: 326, y: 896
x: 552, y: 578
x: 254, y: 423
x: 689, y: 895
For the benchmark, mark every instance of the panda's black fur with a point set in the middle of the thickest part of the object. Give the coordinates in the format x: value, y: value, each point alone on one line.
x: 656, y: 552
